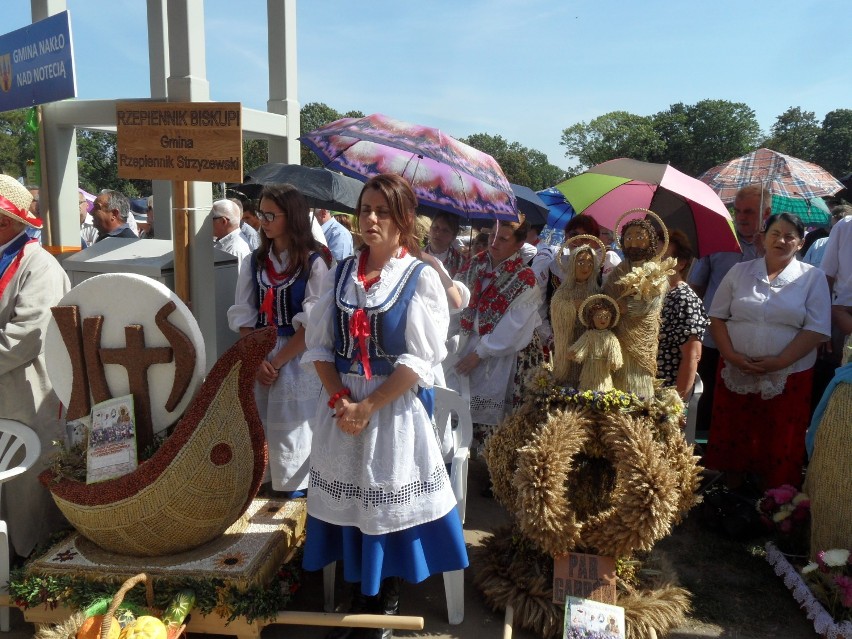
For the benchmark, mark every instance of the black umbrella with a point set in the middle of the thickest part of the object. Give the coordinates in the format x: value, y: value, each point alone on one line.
x: 530, y: 204
x: 322, y: 188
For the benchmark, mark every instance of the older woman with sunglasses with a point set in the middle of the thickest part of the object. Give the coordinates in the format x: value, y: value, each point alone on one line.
x: 767, y: 318
x: 277, y: 285
x: 380, y: 498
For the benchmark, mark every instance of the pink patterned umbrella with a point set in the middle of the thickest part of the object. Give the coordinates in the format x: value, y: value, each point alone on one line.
x: 446, y: 174
x: 783, y: 174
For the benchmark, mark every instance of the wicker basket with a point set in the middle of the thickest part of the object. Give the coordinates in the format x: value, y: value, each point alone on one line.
x: 197, y: 484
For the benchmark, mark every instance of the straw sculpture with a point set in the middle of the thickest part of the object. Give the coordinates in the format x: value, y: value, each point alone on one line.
x: 200, y: 480
x: 829, y: 482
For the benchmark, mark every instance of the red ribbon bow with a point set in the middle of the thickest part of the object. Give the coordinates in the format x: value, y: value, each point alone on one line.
x: 359, y: 328
x: 266, y: 307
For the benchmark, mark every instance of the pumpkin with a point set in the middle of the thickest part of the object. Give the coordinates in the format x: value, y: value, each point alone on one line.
x: 91, y: 628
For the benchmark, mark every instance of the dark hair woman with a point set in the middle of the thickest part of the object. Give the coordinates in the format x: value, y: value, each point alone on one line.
x: 767, y: 318
x: 277, y: 285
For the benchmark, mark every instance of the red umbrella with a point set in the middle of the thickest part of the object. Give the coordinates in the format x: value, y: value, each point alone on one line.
x: 608, y: 190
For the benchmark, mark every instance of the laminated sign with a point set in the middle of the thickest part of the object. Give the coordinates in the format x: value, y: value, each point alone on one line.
x: 180, y: 141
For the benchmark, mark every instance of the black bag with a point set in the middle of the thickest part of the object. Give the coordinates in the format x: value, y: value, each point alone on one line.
x: 731, y: 513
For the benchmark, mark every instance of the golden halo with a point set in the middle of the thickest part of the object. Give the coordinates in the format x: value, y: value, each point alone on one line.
x: 617, y: 229
x: 561, y: 257
x: 597, y: 296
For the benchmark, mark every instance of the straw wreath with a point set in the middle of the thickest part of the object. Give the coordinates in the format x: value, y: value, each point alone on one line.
x: 620, y: 522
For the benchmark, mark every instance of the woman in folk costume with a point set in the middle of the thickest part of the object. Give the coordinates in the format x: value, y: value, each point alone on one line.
x: 277, y: 285
x: 579, y: 281
x: 31, y: 282
x: 497, y: 325
x: 380, y: 498
x: 442, y: 242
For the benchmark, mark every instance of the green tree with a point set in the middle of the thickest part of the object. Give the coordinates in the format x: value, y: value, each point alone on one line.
x: 834, y: 142
x: 314, y: 115
x: 521, y: 165
x: 795, y: 133
x: 17, y: 143
x: 721, y: 130
x: 612, y: 135
x: 255, y: 154
x: 98, y: 165
x: 673, y: 127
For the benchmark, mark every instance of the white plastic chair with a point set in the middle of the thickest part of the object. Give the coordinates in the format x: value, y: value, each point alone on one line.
x: 692, y: 410
x: 447, y: 403
x: 14, y: 436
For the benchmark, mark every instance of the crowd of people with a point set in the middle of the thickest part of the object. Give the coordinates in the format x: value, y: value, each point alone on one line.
x: 372, y: 312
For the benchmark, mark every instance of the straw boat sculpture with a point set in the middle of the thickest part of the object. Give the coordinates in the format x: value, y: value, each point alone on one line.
x: 198, y: 483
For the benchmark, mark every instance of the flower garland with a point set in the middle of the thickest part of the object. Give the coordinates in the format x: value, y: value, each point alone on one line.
x: 508, y: 280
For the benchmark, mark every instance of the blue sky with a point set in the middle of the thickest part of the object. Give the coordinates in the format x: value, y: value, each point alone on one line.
x: 523, y: 69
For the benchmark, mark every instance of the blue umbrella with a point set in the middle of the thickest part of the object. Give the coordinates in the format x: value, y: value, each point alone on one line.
x: 561, y: 210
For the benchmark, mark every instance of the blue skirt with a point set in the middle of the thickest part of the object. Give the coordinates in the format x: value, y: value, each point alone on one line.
x: 413, y: 554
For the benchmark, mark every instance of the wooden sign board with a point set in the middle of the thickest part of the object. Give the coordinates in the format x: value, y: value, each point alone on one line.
x: 180, y: 141
x: 586, y: 576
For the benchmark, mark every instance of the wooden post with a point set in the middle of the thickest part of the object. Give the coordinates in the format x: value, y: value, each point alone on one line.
x: 180, y: 239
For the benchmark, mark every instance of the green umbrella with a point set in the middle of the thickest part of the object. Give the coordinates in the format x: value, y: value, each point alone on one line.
x: 812, y: 211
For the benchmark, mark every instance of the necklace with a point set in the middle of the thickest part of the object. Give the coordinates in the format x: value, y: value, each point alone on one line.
x: 362, y: 268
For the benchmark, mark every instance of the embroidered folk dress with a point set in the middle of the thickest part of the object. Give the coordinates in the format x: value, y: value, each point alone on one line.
x: 381, y: 500
x: 497, y: 344
x: 286, y: 407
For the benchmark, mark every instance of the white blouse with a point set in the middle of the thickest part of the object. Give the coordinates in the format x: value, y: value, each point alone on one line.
x: 426, y: 323
x: 243, y: 314
x: 763, y: 318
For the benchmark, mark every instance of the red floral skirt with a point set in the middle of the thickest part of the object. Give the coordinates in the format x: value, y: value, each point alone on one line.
x: 761, y: 436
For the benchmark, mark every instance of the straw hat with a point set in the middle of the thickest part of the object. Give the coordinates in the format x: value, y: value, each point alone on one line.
x: 15, y: 202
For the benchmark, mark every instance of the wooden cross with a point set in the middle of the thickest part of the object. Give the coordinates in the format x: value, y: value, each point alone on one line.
x: 136, y: 359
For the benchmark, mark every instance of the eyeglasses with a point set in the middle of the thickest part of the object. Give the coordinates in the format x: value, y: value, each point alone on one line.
x: 263, y: 216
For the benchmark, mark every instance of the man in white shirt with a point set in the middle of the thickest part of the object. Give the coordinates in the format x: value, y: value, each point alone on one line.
x: 225, y: 216
x: 337, y: 236
x: 837, y: 264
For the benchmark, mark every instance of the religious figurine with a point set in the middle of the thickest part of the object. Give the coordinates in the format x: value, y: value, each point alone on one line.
x: 597, y: 349
x: 639, y: 284
x: 579, y: 281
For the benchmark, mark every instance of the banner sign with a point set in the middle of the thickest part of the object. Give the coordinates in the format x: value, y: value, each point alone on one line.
x: 37, y: 64
x: 184, y: 141
x: 587, y: 576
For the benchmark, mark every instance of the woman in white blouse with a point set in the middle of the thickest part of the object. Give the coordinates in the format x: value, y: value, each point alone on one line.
x: 768, y: 317
x: 278, y: 285
x: 380, y: 498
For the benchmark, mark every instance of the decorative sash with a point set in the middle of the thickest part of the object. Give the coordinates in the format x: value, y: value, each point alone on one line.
x: 11, y: 258
x: 490, y: 302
